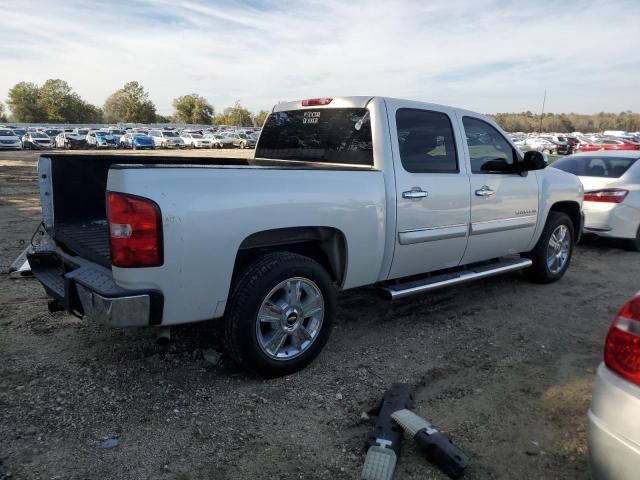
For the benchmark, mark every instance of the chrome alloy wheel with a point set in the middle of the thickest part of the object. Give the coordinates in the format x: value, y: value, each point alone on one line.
x: 558, y: 249
x: 290, y: 318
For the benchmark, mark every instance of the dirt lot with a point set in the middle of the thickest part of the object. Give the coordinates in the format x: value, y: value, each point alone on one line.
x: 503, y: 365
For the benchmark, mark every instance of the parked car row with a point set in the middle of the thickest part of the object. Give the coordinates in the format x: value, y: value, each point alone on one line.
x: 133, y: 138
x: 565, y: 144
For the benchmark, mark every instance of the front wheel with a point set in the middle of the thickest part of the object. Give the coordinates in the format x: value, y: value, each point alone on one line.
x: 552, y: 254
x: 280, y: 314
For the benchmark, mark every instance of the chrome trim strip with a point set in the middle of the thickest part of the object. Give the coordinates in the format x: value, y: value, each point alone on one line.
x: 597, y: 229
x: 419, y: 235
x: 503, y: 224
x: 433, y: 283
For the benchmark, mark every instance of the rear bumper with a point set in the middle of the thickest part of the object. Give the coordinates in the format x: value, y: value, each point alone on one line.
x: 88, y: 290
x: 613, y: 434
x: 615, y: 220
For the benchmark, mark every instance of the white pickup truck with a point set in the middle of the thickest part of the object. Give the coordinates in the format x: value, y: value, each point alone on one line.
x: 342, y: 193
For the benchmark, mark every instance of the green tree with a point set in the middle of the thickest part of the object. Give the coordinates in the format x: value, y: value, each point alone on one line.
x: 236, y: 115
x: 54, y: 101
x: 90, y: 113
x: 61, y: 104
x: 130, y: 104
x: 163, y: 119
x: 568, y: 122
x: 261, y: 117
x: 23, y: 102
x: 3, y: 114
x: 193, y: 109
x: 57, y: 100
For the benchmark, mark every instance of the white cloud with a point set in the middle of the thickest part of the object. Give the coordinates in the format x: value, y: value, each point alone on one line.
x: 486, y: 55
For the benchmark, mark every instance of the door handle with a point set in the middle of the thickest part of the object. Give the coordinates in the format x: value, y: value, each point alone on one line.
x: 415, y: 193
x: 485, y: 192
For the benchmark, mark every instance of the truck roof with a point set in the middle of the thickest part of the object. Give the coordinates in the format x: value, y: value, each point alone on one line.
x: 362, y: 101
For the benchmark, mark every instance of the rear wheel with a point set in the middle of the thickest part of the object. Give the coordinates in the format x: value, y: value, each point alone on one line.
x: 552, y: 254
x: 633, y: 244
x: 280, y: 314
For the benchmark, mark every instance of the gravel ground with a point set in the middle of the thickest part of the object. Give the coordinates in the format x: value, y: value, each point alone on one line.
x: 503, y: 365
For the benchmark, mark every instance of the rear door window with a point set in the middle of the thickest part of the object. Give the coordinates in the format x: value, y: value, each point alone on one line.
x: 426, y: 141
x: 327, y: 135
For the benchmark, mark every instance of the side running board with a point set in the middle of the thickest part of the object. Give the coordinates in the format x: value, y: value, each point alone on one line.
x: 413, y: 287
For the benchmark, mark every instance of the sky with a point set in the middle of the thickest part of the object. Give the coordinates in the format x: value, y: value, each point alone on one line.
x: 484, y: 55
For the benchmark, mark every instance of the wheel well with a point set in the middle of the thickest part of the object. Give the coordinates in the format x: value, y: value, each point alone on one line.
x: 326, y: 245
x: 572, y: 209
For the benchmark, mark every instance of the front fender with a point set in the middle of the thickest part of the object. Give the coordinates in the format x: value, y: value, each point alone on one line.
x: 555, y: 186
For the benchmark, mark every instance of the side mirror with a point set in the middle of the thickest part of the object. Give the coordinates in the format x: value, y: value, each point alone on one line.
x: 533, y: 161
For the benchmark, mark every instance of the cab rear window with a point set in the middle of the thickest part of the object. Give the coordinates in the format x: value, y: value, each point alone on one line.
x: 336, y: 135
x: 595, y: 166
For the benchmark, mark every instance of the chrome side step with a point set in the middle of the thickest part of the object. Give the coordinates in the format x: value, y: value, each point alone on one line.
x: 401, y: 290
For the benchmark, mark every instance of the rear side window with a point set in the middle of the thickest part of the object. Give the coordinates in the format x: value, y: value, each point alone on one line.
x: 489, y: 151
x: 426, y: 141
x: 595, y: 166
x: 328, y: 135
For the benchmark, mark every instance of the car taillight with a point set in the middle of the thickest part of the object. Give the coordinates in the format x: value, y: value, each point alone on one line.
x: 135, y: 231
x: 622, y: 347
x: 316, y: 101
x: 608, y: 195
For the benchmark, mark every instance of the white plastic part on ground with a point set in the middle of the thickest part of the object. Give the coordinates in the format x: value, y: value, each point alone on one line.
x: 20, y: 267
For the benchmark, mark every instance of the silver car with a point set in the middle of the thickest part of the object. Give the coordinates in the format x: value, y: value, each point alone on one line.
x: 8, y: 139
x: 614, y: 415
x: 611, y: 182
x: 219, y: 141
x: 195, y: 140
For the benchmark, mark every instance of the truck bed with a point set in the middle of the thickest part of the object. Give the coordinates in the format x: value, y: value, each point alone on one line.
x: 79, y: 183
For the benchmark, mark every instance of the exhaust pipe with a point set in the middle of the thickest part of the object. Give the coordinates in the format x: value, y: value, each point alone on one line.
x: 163, y: 336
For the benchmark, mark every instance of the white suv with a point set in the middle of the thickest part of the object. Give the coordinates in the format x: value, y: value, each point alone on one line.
x: 166, y: 139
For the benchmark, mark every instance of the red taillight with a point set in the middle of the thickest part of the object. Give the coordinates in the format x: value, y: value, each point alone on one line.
x: 311, y: 102
x: 622, y: 348
x: 608, y: 195
x: 135, y: 231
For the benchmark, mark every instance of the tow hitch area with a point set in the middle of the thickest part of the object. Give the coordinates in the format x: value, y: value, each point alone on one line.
x: 385, y: 438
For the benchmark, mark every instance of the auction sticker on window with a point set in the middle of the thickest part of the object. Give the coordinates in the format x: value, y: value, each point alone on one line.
x: 311, y: 117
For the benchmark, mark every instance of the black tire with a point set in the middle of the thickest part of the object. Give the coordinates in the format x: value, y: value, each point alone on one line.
x: 540, y: 272
x: 633, y: 244
x: 252, y: 287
